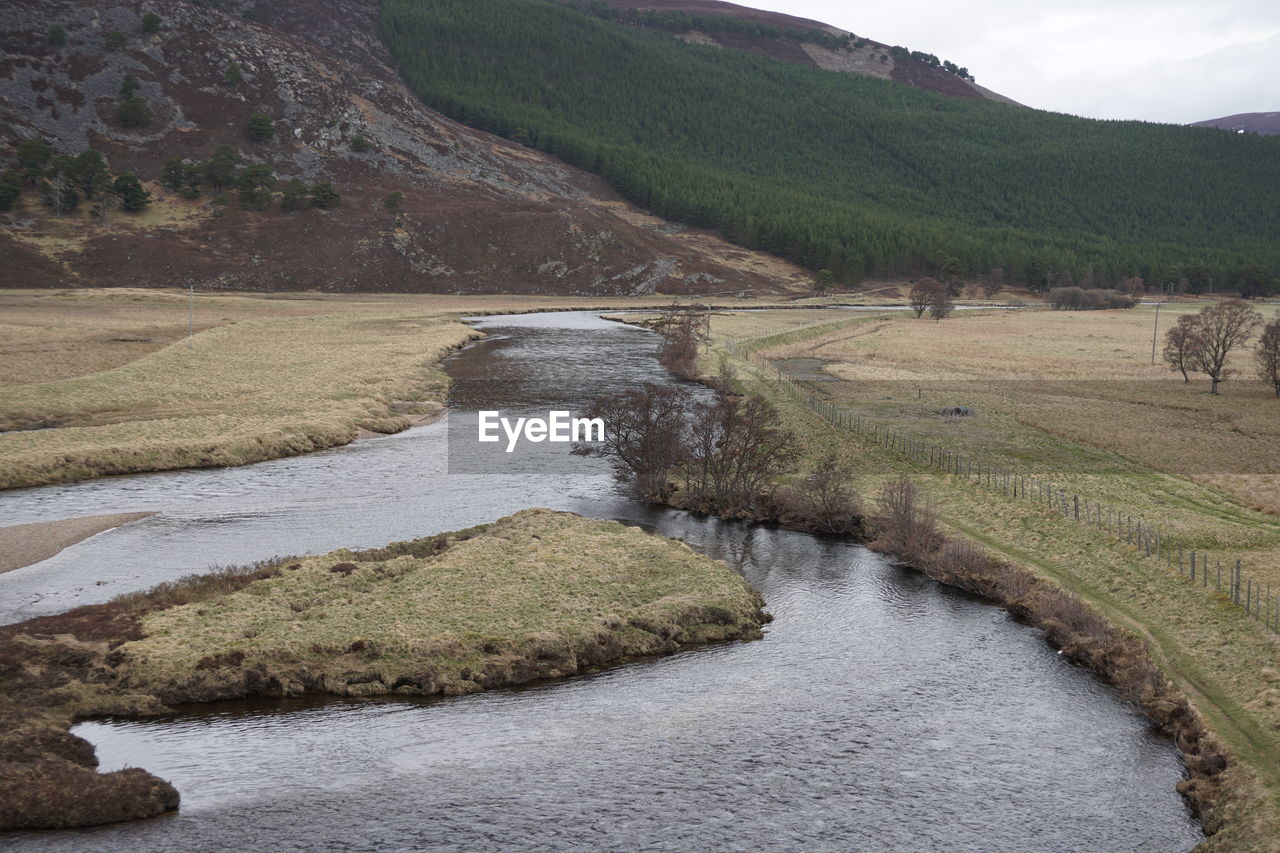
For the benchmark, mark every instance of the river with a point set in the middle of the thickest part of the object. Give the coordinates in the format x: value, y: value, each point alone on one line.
x: 881, y: 711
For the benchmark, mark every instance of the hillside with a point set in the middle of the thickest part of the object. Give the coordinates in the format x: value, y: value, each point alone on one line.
x: 841, y: 171
x: 1266, y: 124
x: 797, y: 40
x: 478, y: 214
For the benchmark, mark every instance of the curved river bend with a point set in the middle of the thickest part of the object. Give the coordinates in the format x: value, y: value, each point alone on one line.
x: 881, y: 711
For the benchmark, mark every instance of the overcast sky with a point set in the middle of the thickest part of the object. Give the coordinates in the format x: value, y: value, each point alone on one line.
x: 1170, y: 61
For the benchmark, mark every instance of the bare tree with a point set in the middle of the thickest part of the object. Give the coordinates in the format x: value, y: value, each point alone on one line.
x: 904, y: 524
x: 1220, y: 328
x: 825, y: 501
x: 923, y: 293
x: 1268, y: 355
x: 683, y: 329
x: 941, y: 306
x: 1179, y: 342
x: 644, y: 436
x: 993, y: 283
x: 736, y: 450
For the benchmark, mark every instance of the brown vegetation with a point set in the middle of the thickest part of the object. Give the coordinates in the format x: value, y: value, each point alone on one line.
x: 463, y: 191
x: 710, y: 455
x: 684, y: 328
x: 823, y: 502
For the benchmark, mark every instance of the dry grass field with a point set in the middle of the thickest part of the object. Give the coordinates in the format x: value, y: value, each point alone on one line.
x: 1073, y: 398
x: 1066, y: 396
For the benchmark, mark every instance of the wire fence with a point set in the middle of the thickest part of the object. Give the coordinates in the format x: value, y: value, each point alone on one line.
x: 1228, y: 583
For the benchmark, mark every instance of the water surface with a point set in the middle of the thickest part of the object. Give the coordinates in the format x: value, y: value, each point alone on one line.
x: 881, y: 711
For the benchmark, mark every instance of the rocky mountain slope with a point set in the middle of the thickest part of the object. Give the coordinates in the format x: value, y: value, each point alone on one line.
x: 479, y: 214
x: 1266, y: 124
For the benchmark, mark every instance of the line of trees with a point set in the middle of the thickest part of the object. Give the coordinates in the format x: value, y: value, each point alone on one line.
x: 257, y: 187
x: 719, y: 452
x: 1203, y: 343
x: 713, y: 449
x: 66, y: 181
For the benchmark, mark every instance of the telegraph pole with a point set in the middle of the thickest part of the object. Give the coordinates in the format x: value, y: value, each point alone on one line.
x: 1154, y: 330
x: 191, y: 315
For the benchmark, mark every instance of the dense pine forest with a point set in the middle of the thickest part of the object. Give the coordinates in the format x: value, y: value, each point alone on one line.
x: 861, y: 176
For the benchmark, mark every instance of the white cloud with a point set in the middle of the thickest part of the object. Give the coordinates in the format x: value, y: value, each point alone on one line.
x: 1173, y: 61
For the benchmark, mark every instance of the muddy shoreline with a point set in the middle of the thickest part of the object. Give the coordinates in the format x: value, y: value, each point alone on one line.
x: 24, y: 544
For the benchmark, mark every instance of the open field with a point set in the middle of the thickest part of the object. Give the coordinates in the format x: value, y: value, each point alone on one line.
x: 1225, y: 663
x: 537, y: 595
x: 101, y: 382
x: 1066, y: 396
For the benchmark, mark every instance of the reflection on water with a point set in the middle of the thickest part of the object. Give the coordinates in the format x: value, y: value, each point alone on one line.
x: 880, y: 712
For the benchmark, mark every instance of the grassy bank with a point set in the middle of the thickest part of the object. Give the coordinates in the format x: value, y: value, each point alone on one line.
x: 101, y: 382
x: 537, y: 595
x: 1224, y: 664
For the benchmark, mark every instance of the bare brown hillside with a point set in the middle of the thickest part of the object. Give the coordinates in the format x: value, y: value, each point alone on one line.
x: 480, y: 214
x: 1266, y: 124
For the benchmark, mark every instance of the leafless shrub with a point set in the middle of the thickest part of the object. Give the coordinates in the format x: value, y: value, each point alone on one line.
x: 644, y: 436
x: 824, y: 502
x: 1268, y: 356
x: 904, y: 525
x: 1179, y: 342
x: 735, y: 451
x: 683, y: 329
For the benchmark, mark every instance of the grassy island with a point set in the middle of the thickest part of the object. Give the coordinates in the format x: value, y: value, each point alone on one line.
x: 536, y: 595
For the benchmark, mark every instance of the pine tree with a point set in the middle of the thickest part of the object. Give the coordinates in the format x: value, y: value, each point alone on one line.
x: 133, y: 112
x: 260, y: 128
x: 133, y: 197
x: 10, y: 189
x: 323, y: 195
x: 220, y: 169
x: 294, y: 195
x: 174, y: 174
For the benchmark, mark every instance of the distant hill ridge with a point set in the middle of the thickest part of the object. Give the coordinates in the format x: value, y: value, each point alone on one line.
x: 789, y: 38
x: 1265, y: 124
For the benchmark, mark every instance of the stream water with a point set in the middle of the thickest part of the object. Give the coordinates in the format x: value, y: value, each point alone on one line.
x: 881, y: 711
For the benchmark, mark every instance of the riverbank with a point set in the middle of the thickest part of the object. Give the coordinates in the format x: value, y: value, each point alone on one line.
x: 1209, y: 658
x: 103, y: 382
x: 24, y: 544
x: 537, y: 595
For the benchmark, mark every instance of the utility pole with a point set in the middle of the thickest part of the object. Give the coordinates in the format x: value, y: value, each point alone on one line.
x: 191, y: 315
x: 1154, y: 330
